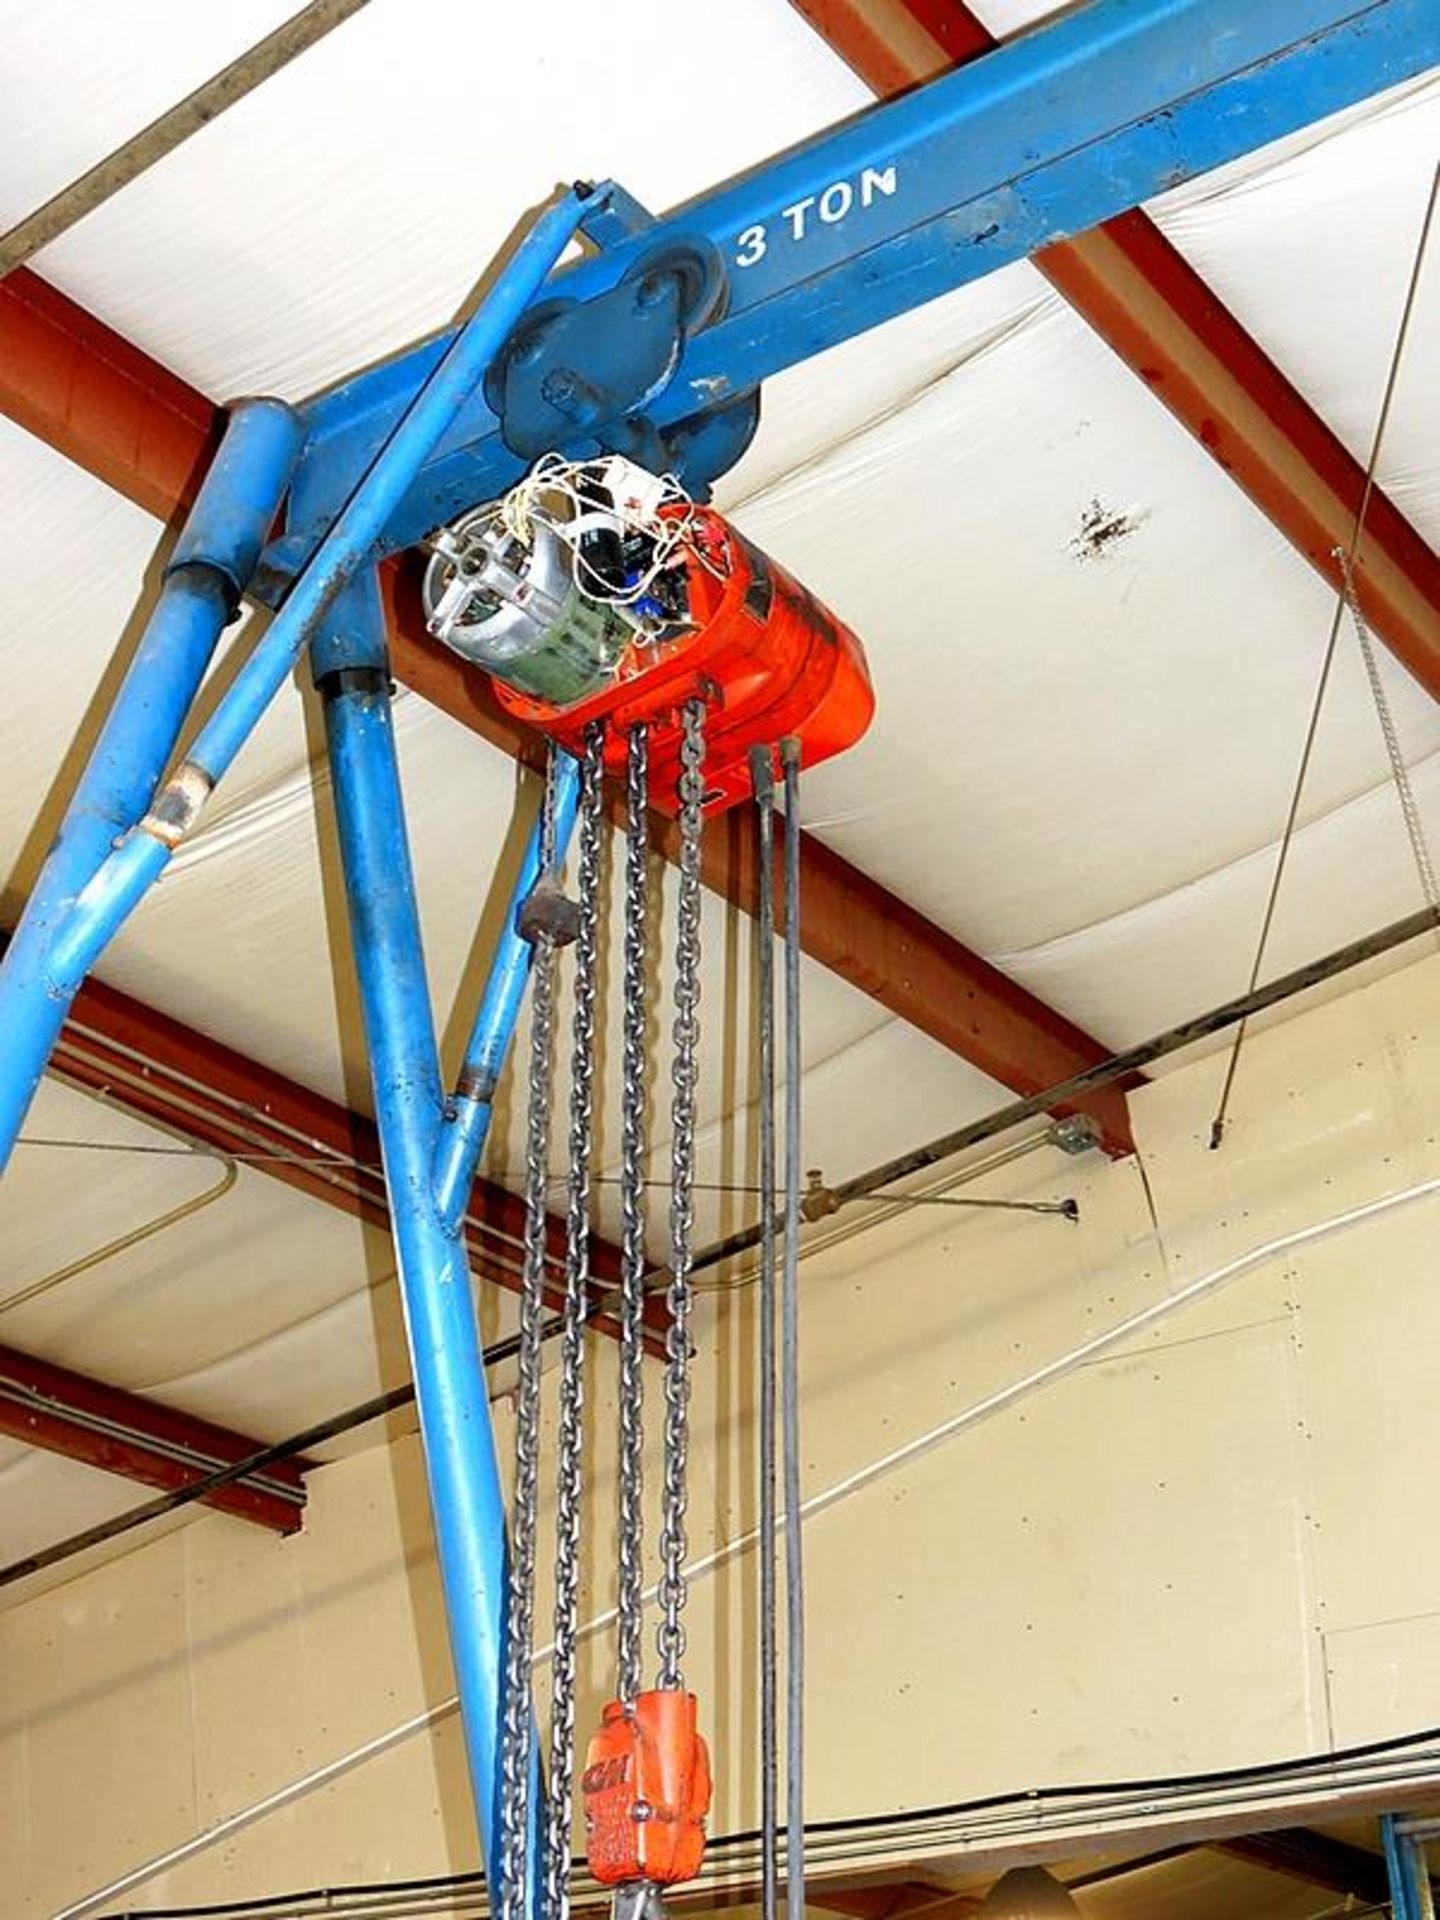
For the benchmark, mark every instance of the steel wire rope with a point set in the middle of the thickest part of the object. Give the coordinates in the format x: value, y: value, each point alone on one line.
x: 1399, y: 772
x: 763, y: 781
x: 1342, y: 597
x: 790, y: 1361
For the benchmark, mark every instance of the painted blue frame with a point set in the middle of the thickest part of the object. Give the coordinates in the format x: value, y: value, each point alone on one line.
x: 1408, y: 1871
x: 1050, y: 134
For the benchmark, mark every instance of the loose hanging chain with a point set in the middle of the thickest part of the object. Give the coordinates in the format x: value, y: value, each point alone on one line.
x: 684, y: 1073
x: 570, y: 1451
x: 1399, y: 772
x: 516, y: 1739
x: 631, y: 1605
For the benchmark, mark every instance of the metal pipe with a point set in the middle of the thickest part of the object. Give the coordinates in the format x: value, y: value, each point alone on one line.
x: 763, y: 781
x: 158, y: 1223
x: 206, y: 575
x: 464, y: 1475
x: 1120, y: 1066
x: 467, y: 1117
x: 790, y: 1362
x: 52, y: 977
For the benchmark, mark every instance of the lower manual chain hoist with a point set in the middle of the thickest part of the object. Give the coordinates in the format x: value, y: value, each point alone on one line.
x: 644, y: 635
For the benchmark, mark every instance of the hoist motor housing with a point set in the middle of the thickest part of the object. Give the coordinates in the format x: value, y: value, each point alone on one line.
x: 604, y: 595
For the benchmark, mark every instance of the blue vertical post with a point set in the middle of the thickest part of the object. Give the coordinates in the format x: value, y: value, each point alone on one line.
x: 467, y: 1121
x: 465, y: 1489
x: 1410, y: 1895
x: 207, y: 574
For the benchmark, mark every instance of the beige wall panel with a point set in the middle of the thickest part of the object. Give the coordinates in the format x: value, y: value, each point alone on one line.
x: 912, y: 1321
x: 248, y: 1666
x: 374, y: 1627
x: 341, y: 1629
x: 1321, y: 1120
x: 1384, y: 1680
x: 15, y: 1843
x: 96, y: 1676
x: 1107, y: 1587
x: 1365, y: 1322
x: 404, y: 1815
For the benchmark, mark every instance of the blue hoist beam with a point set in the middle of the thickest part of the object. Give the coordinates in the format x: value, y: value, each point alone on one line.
x: 1047, y: 136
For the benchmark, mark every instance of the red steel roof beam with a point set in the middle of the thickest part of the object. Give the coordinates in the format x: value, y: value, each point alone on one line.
x: 155, y: 1066
x: 849, y: 923
x: 1142, y: 297
x: 127, y: 1434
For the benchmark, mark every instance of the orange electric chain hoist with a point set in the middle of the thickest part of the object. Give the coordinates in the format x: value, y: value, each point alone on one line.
x: 649, y: 639
x: 596, y: 591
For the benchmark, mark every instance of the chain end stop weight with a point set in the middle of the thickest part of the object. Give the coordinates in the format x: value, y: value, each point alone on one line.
x: 646, y: 1789
x: 548, y: 910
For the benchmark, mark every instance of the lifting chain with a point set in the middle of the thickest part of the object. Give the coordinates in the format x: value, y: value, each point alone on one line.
x: 630, y: 1602
x: 570, y: 1451
x: 671, y: 1765
x: 647, y: 1774
x: 684, y: 1074
x: 516, y: 1734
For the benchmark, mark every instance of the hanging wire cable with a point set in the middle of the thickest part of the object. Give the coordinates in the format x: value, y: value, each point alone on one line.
x: 790, y: 1362
x: 762, y: 778
x: 229, y: 1174
x: 106, y: 178
x: 1347, y: 563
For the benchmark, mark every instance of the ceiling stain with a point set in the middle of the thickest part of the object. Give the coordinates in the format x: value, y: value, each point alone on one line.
x: 1102, y: 528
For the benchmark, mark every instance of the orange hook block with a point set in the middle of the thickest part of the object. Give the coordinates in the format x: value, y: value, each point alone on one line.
x: 646, y: 1790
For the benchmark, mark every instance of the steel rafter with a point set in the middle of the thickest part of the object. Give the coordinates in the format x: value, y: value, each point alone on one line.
x: 1146, y: 301
x: 133, y: 1436
x: 114, y: 411
x: 157, y: 1067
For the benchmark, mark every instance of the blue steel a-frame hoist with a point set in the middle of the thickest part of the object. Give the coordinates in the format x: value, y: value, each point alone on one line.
x: 654, y: 345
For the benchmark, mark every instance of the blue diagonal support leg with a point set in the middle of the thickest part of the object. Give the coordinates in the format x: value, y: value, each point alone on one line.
x: 208, y: 571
